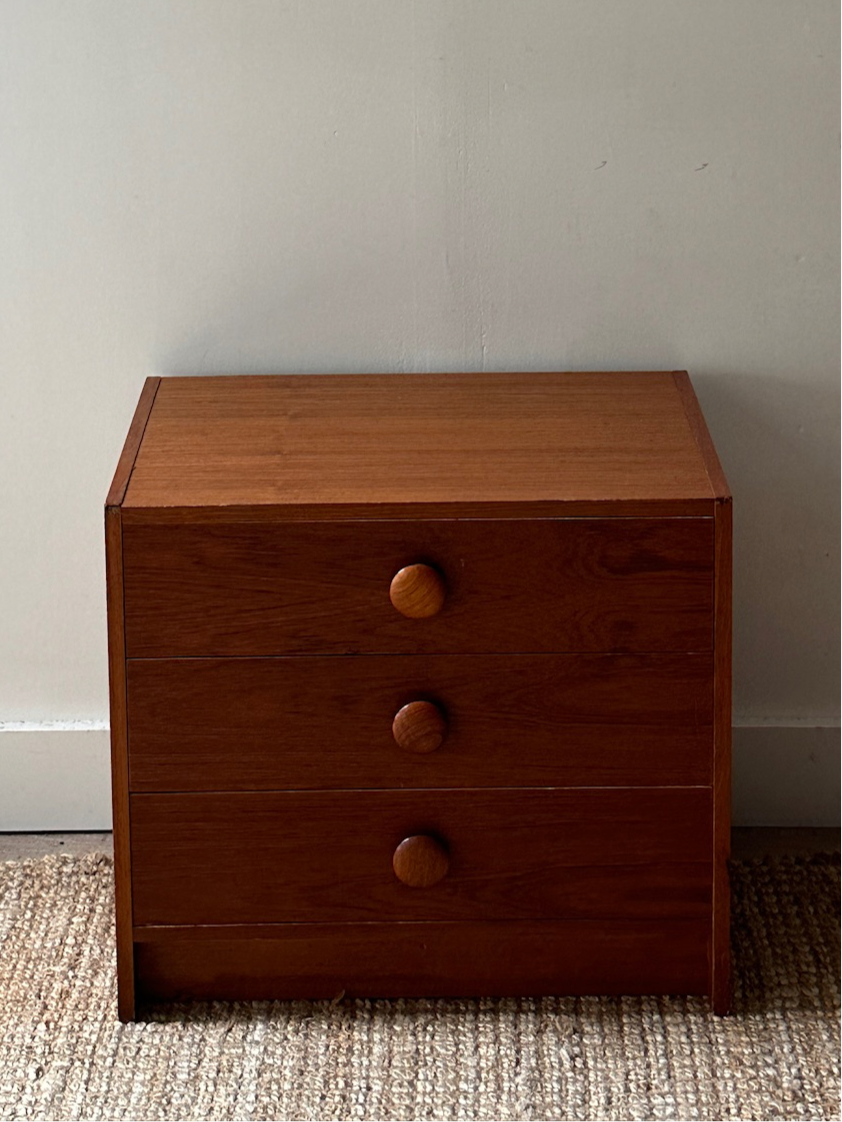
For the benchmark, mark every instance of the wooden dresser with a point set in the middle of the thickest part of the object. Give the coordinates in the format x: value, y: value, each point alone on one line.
x: 420, y: 685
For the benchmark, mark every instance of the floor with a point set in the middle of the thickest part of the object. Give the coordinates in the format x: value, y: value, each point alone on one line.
x: 765, y: 841
x: 15, y: 847
x: 64, y: 1055
x: 746, y: 842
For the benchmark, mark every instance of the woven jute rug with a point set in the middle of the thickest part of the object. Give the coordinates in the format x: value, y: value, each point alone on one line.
x: 63, y: 1054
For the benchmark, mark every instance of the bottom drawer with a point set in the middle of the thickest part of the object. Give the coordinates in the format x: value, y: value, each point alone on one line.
x: 423, y: 960
x: 486, y: 854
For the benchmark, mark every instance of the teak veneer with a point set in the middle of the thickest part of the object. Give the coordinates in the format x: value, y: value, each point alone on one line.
x: 420, y: 684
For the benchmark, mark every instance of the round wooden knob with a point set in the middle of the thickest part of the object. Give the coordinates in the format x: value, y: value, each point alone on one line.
x: 420, y: 861
x: 419, y: 727
x: 417, y: 591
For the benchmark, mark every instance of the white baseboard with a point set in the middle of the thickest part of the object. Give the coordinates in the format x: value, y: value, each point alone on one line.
x: 786, y: 775
x: 56, y: 777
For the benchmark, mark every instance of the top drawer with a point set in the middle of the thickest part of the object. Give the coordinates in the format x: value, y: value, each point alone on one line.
x: 542, y: 585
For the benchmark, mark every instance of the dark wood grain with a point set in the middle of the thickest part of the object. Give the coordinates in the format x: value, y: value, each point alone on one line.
x: 363, y: 441
x: 721, y: 958
x: 519, y: 586
x: 327, y: 856
x: 326, y: 722
x: 423, y: 960
x: 119, y: 765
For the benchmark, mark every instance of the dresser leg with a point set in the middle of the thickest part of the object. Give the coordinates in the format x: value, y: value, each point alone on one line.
x: 125, y: 1002
x: 722, y: 994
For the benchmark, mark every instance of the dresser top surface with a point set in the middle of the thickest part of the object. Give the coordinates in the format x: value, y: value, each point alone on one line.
x: 380, y: 443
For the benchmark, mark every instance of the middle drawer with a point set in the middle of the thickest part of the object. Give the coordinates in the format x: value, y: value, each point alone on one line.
x: 420, y: 721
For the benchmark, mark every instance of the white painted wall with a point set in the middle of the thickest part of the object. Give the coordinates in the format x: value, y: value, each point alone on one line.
x: 250, y: 185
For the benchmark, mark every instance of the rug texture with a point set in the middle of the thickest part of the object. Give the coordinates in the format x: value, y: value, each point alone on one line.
x: 63, y: 1054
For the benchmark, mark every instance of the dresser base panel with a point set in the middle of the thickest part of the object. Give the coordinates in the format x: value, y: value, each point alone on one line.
x: 371, y: 960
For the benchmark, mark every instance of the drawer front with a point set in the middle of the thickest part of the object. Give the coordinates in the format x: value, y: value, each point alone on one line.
x: 420, y: 721
x: 510, y: 958
x: 480, y: 854
x: 545, y: 585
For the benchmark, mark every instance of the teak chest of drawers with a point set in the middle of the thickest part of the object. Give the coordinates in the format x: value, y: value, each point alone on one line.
x: 420, y: 685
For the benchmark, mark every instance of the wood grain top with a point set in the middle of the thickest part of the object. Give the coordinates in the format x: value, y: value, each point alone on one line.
x: 374, y: 445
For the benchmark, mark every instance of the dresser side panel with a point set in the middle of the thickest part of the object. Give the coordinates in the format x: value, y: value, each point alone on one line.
x: 115, y: 603
x: 134, y: 438
x: 119, y: 762
x: 701, y: 434
x: 721, y: 959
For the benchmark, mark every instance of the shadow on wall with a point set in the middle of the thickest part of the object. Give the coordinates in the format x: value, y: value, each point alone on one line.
x: 778, y: 444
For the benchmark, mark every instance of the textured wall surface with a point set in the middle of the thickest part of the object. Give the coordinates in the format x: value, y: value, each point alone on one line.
x: 203, y: 186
